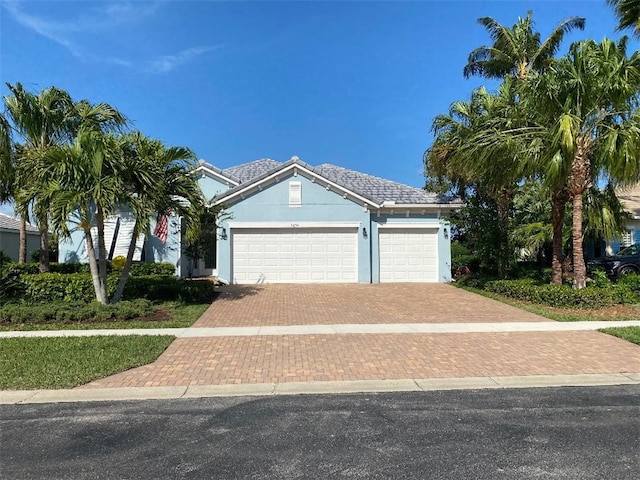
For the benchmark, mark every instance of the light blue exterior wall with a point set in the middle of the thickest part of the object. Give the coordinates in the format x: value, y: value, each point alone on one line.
x: 212, y: 185
x: 318, y: 205
x: 399, y: 219
x: 156, y: 251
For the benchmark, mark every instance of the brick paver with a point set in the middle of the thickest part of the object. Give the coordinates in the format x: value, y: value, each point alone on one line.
x: 371, y: 356
x: 245, y: 306
x: 300, y: 358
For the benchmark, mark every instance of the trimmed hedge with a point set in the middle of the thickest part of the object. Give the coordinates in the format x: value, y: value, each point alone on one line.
x: 564, y: 295
x: 17, y: 313
x: 78, y: 287
x: 137, y: 269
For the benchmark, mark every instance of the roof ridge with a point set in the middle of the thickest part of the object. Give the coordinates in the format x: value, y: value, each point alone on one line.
x: 371, y: 176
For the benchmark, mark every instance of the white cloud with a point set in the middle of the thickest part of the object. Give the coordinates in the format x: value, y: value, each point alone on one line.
x: 167, y: 63
x: 104, y: 16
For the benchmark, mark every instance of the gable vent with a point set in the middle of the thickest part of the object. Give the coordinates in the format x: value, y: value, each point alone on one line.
x: 295, y: 194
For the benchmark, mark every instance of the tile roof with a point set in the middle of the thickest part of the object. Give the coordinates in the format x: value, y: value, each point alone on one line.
x: 7, y: 222
x: 249, y: 171
x: 630, y: 198
x: 215, y: 169
x: 375, y: 189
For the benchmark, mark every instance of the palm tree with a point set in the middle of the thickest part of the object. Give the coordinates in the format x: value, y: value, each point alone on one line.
x: 159, y: 184
x: 517, y: 50
x: 42, y: 122
x: 628, y: 13
x: 492, y: 170
x: 590, y: 125
x: 86, y: 183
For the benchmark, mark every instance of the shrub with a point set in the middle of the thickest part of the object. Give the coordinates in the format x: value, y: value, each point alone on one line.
x: 68, y: 312
x: 630, y: 281
x: 146, y: 268
x: 563, y: 295
x: 71, y: 287
x: 34, y: 268
x: 118, y: 262
x: 168, y: 287
x: 10, y: 288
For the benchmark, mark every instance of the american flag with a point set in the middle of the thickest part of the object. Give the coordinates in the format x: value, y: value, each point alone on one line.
x: 162, y: 228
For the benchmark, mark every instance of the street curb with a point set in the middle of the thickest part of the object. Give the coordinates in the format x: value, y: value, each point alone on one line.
x: 300, y: 388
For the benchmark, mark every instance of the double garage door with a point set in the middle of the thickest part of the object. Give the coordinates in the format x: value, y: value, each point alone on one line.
x: 295, y: 255
x: 330, y: 255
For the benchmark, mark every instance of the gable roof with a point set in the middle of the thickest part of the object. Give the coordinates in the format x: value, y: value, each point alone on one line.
x: 375, y: 191
x: 249, y: 171
x: 11, y: 223
x: 216, y: 172
x: 630, y: 198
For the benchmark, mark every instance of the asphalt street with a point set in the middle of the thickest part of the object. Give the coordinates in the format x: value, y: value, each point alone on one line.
x: 564, y: 433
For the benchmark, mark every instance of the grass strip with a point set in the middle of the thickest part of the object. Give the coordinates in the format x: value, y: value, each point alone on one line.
x: 183, y: 315
x: 631, y: 334
x: 65, y: 362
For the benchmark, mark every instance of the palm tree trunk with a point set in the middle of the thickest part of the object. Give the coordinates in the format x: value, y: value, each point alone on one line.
x: 559, y: 201
x: 503, y: 205
x: 579, y: 267
x: 22, y: 248
x: 124, y: 275
x: 93, y: 267
x: 102, y: 254
x: 44, y: 244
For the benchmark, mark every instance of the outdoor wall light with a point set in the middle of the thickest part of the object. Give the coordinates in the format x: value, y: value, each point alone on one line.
x: 446, y: 234
x: 364, y: 232
x: 223, y: 233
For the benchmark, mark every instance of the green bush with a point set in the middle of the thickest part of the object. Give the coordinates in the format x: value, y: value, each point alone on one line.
x: 78, y: 287
x: 168, y: 287
x: 630, y: 281
x: 563, y: 295
x: 137, y: 269
x: 69, y: 312
x: 146, y: 268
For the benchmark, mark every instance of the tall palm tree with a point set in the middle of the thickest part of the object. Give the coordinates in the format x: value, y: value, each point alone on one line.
x: 592, y: 128
x: 41, y: 122
x: 159, y: 183
x: 86, y: 183
x: 494, y: 170
x: 628, y: 13
x: 517, y: 50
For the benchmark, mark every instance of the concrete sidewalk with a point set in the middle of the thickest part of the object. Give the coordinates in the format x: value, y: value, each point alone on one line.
x: 193, y: 332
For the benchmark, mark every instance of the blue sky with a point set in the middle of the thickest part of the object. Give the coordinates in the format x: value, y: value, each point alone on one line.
x: 355, y: 83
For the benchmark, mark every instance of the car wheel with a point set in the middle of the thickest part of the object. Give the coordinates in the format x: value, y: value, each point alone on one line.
x: 627, y: 270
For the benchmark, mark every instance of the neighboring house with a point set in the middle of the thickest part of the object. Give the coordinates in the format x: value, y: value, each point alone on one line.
x: 293, y: 223
x: 10, y: 237
x: 630, y: 198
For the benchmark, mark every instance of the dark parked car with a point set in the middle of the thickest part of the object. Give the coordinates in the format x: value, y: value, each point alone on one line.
x: 626, y: 261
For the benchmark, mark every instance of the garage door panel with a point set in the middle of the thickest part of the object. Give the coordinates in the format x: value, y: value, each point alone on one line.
x: 408, y: 255
x: 301, y: 255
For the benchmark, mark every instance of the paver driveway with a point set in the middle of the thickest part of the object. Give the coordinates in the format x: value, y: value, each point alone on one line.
x: 368, y: 356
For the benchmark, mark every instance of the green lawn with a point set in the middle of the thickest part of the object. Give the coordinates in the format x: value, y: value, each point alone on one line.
x: 65, y: 362
x: 631, y: 334
x: 181, y: 315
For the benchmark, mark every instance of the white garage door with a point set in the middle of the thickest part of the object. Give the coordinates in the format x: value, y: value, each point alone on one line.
x: 295, y: 255
x: 409, y: 255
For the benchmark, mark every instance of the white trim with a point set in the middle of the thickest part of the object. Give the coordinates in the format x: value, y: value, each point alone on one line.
x: 245, y: 225
x: 417, y: 226
x: 419, y: 206
x: 329, y: 184
x: 216, y: 174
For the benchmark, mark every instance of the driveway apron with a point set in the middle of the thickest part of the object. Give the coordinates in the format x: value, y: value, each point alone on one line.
x: 281, y: 358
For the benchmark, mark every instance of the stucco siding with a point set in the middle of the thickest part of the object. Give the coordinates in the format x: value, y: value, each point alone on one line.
x: 10, y: 244
x: 211, y: 186
x: 318, y: 205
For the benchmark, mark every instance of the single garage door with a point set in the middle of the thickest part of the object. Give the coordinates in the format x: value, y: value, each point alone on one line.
x: 295, y: 255
x: 408, y: 255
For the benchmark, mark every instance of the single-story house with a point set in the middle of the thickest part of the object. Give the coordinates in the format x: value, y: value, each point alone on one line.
x: 630, y: 198
x: 289, y: 222
x: 10, y: 237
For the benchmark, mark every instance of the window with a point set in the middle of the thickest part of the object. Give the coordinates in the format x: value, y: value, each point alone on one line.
x: 627, y: 238
x: 295, y: 194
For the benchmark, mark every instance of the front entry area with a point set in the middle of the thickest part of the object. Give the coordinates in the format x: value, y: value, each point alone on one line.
x: 295, y: 255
